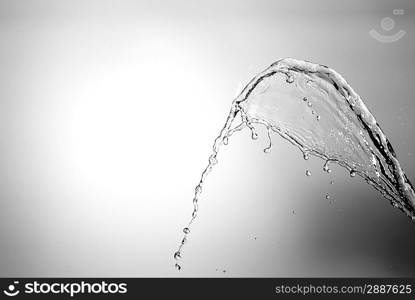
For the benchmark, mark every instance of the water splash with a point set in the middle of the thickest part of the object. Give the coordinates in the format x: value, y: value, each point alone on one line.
x: 316, y: 110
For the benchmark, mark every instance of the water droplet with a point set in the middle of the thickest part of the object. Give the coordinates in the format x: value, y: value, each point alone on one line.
x: 326, y: 167
x: 195, y: 205
x: 213, y: 160
x: 327, y: 196
x: 308, y: 173
x: 178, y: 267
x: 309, y: 104
x: 268, y: 149
x: 352, y: 173
x: 177, y: 255
x: 305, y: 156
x: 305, y: 99
x: 186, y: 230
x: 290, y: 78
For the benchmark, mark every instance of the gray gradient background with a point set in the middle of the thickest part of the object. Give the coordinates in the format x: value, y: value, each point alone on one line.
x: 108, y: 110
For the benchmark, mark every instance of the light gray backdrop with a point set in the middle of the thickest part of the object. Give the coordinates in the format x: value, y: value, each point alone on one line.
x: 108, y: 110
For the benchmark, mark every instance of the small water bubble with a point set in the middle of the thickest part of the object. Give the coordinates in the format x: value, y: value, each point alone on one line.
x: 331, y: 182
x: 206, y: 172
x: 327, y: 196
x: 318, y: 118
x: 308, y: 173
x: 186, y: 230
x: 178, y: 267
x: 352, y: 173
x: 305, y: 99
x: 177, y: 255
x: 309, y: 82
x: 326, y: 167
x: 267, y: 150
x: 225, y: 140
x: 305, y: 156
x: 313, y: 112
x: 290, y: 78
x: 213, y: 160
x: 309, y: 104
x: 195, y: 205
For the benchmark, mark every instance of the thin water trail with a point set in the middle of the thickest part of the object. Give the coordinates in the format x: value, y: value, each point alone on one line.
x: 316, y: 110
x: 221, y: 139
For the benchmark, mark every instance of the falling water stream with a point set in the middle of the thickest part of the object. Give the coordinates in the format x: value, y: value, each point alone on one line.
x: 316, y: 110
